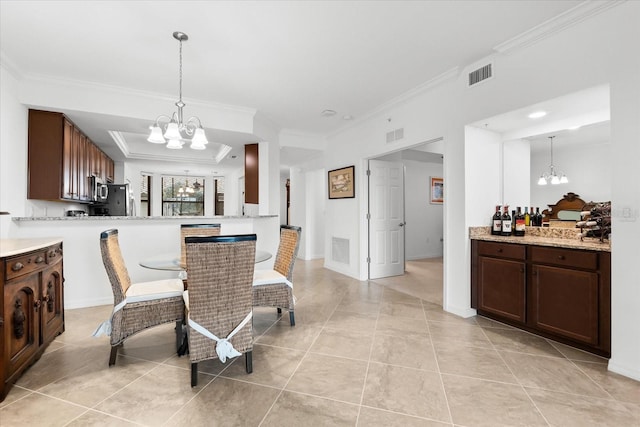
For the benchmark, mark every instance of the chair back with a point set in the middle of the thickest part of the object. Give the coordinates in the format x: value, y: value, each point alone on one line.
x: 203, y: 230
x: 287, y: 250
x: 114, y: 264
x: 220, y: 270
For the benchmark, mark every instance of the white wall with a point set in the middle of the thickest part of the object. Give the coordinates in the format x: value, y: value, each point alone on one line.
x: 589, y: 169
x: 483, y: 168
x: 546, y: 69
x: 516, y: 176
x: 424, y: 229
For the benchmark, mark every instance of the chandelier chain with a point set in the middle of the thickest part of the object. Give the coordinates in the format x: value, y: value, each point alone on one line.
x: 180, y: 71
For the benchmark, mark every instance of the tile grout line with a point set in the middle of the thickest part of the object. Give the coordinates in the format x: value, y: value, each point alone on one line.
x: 297, y: 367
x: 435, y: 357
x: 373, y: 341
x: 516, y: 377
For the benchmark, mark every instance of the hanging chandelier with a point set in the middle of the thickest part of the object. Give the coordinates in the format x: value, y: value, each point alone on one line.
x: 188, y: 190
x: 552, y: 177
x: 175, y: 126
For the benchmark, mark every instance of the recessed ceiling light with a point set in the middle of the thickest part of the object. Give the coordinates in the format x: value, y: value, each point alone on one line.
x: 574, y: 127
x: 328, y: 113
x: 537, y: 114
x: 347, y: 117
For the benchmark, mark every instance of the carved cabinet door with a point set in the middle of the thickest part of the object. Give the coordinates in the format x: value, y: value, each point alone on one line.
x: 22, y: 321
x: 51, y: 310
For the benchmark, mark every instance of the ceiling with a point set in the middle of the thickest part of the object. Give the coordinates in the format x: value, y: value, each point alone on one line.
x: 287, y: 60
x: 577, y: 118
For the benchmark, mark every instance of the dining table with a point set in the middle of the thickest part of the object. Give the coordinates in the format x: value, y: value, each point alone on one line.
x: 171, y: 261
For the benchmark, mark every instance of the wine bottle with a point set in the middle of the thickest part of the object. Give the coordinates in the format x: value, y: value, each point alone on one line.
x: 496, y: 222
x: 538, y: 218
x: 527, y: 217
x: 513, y: 222
x: 532, y: 215
x: 519, y: 220
x: 506, y: 222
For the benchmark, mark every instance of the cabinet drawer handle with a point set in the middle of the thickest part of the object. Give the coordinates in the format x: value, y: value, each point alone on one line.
x: 561, y: 257
x: 17, y: 266
x: 52, y: 254
x: 39, y: 260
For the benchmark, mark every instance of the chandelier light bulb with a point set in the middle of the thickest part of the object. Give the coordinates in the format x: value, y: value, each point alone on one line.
x: 564, y: 179
x: 542, y: 180
x: 172, y: 131
x: 155, y: 136
x: 174, y: 144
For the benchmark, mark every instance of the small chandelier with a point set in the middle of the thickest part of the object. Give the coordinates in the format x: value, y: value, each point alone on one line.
x: 187, y: 190
x: 552, y: 177
x: 175, y: 126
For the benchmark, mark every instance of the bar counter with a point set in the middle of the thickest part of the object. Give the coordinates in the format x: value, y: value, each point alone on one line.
x: 544, y: 236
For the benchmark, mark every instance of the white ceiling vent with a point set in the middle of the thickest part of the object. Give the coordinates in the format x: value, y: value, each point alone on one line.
x: 395, y: 135
x: 481, y: 74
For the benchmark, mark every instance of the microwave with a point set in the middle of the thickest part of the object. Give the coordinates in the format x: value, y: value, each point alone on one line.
x: 99, y: 190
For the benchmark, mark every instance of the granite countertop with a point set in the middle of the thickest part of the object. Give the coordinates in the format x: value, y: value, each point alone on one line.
x: 134, y: 218
x: 9, y: 247
x: 544, y: 236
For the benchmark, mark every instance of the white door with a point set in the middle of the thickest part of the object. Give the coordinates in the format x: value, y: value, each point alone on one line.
x: 386, y: 219
x: 241, y: 199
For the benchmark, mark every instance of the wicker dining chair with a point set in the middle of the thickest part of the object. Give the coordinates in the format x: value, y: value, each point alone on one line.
x: 202, y: 230
x: 219, y: 299
x: 136, y: 306
x: 274, y: 288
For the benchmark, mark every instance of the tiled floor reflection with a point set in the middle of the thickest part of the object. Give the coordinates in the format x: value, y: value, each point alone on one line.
x: 379, y: 353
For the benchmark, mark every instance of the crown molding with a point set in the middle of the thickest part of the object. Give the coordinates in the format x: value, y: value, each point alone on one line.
x: 556, y: 24
x: 411, y: 93
x: 41, y: 78
x: 10, y: 66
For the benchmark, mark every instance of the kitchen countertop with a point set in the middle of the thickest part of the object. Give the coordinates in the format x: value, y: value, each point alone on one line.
x: 543, y: 236
x: 133, y: 218
x: 9, y: 247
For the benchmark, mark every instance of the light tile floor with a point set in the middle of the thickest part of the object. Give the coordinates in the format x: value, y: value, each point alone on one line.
x: 379, y: 353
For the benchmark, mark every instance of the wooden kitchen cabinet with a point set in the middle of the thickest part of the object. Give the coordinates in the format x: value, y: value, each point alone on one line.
x: 502, y: 280
x: 570, y: 291
x: 559, y: 293
x: 61, y: 158
x: 31, y: 310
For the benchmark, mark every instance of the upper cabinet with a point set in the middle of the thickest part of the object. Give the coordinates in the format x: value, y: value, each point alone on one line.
x: 61, y: 158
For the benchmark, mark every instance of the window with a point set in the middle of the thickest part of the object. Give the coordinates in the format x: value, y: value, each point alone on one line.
x: 145, y: 190
x: 182, y: 196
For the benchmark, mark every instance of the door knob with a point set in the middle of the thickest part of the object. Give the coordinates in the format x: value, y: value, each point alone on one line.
x: 402, y: 224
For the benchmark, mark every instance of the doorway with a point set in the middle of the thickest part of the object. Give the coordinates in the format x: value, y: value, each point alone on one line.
x: 423, y: 217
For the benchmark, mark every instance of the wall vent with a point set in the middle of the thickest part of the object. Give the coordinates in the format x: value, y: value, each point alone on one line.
x: 395, y: 135
x: 340, y: 250
x: 481, y: 74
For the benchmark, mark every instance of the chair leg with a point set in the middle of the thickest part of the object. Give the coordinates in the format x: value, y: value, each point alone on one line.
x: 292, y: 318
x: 178, y: 334
x: 194, y: 374
x: 113, y: 355
x: 248, y: 360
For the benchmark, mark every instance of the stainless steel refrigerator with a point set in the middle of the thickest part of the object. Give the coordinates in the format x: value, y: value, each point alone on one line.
x: 117, y: 203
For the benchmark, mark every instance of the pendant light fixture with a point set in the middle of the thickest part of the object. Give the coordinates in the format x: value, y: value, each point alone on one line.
x: 552, y: 177
x: 175, y: 127
x: 187, y: 190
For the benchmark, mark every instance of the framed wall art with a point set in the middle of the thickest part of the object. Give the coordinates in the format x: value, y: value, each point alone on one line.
x: 437, y: 190
x: 342, y: 183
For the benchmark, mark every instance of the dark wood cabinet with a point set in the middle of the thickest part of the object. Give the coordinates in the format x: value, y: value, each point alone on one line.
x: 32, y: 309
x: 560, y: 293
x: 61, y: 158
